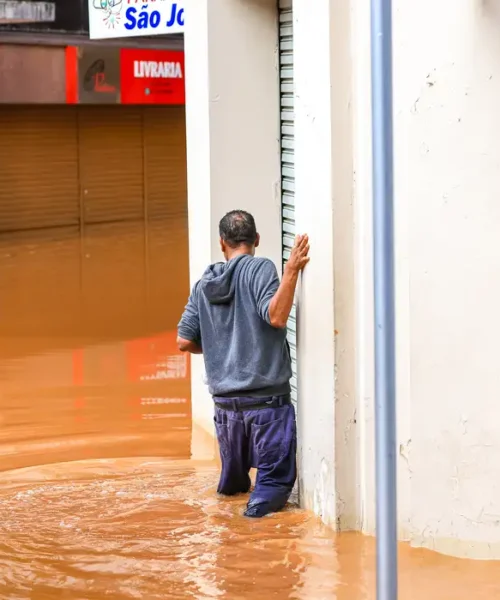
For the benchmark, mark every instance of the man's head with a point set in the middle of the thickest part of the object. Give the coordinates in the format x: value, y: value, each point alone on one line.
x: 238, y: 234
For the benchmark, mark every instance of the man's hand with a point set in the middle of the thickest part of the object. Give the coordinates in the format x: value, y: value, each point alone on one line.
x: 299, y: 256
x: 188, y: 346
x: 281, y: 304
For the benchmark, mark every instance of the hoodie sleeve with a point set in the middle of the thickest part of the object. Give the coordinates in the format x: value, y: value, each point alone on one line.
x: 264, y: 285
x: 189, y: 325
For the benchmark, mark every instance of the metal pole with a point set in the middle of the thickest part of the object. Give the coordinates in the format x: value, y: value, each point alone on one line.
x: 383, y: 247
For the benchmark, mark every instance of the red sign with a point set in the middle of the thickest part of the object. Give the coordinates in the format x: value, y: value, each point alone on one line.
x: 108, y: 75
x: 152, y: 76
x: 92, y: 75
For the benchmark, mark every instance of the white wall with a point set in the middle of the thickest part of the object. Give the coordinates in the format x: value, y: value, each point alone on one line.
x: 346, y: 417
x: 449, y: 125
x: 447, y: 93
x: 232, y: 120
x: 361, y: 107
x: 324, y: 210
x: 315, y: 298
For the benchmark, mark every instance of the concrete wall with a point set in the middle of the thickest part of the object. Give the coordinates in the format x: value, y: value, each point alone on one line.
x: 314, y: 184
x: 326, y: 298
x: 448, y: 123
x: 447, y: 93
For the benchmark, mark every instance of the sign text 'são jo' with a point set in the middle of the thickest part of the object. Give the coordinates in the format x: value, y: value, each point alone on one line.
x: 128, y: 18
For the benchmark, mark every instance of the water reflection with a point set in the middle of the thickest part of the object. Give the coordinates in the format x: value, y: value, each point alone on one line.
x: 88, y: 361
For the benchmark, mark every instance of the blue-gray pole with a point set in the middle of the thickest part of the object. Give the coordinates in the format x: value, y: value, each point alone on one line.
x: 383, y: 247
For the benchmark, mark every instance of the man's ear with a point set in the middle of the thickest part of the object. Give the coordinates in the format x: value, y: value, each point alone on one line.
x: 222, y: 245
x: 257, y: 241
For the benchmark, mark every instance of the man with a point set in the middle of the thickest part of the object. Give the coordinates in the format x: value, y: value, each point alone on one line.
x: 236, y: 317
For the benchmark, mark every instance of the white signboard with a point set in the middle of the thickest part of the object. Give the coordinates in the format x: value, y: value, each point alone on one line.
x: 128, y: 18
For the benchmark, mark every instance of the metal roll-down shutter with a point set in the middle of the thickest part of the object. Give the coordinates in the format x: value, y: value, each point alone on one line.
x: 287, y: 158
x: 38, y: 168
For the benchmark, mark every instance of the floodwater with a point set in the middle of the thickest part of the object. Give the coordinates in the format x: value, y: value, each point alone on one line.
x: 99, y: 496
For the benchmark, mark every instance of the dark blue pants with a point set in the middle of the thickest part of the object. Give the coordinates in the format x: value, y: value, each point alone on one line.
x: 265, y: 439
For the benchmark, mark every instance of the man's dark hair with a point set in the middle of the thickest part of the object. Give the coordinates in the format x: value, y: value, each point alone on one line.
x: 238, y: 228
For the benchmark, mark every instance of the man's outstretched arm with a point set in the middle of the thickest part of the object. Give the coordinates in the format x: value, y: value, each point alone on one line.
x: 281, y: 304
x: 274, y: 298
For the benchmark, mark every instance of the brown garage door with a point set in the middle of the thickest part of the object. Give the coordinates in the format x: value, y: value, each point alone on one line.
x: 38, y: 168
x: 63, y: 166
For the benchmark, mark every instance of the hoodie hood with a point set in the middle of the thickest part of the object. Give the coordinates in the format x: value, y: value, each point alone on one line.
x: 218, y: 281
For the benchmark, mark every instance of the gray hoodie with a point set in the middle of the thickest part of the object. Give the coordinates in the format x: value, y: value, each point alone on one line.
x: 228, y: 315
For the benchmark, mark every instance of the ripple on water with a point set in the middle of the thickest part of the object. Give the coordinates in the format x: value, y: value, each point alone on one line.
x: 150, y: 529
x: 137, y: 529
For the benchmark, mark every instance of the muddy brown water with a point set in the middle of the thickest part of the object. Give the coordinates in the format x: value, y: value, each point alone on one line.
x: 99, y: 497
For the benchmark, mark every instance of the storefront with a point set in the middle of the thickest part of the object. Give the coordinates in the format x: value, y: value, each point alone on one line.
x: 91, y: 135
x: 93, y: 170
